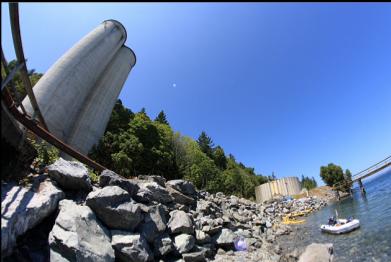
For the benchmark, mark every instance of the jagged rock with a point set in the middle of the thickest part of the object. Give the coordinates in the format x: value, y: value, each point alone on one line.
x: 317, y: 253
x: 184, y: 243
x: 22, y: 208
x: 183, y: 186
x: 268, y: 224
x: 70, y: 175
x: 179, y: 197
x: 202, y: 237
x: 198, y: 256
x: 154, y: 223
x: 77, y: 235
x: 115, y: 208
x: 158, y: 179
x: 226, y: 238
x: 163, y: 245
x: 130, y: 246
x: 211, y: 230
x: 180, y: 222
x: 109, y: 178
x: 204, y: 207
x: 152, y: 191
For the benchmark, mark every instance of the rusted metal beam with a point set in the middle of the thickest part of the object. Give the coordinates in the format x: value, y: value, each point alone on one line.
x: 15, y: 27
x: 45, y: 135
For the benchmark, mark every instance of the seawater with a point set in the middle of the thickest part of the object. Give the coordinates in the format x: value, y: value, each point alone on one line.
x: 371, y: 242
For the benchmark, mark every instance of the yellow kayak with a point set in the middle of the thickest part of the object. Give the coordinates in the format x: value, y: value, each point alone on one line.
x: 291, y: 221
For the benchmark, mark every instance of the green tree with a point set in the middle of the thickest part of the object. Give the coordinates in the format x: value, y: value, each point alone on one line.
x: 161, y: 118
x: 120, y: 118
x: 219, y: 158
x: 308, y: 183
x: 333, y: 175
x: 17, y: 80
x: 206, y: 144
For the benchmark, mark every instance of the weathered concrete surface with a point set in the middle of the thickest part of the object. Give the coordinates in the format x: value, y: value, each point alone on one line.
x: 96, y: 111
x: 24, y: 207
x: 61, y: 91
x: 69, y: 86
x: 77, y: 235
x: 284, y: 186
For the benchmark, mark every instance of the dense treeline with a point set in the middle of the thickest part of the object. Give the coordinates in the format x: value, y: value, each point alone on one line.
x: 308, y: 183
x: 133, y: 144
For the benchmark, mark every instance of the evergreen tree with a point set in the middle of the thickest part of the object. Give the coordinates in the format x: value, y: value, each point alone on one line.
x: 219, y: 158
x: 206, y: 144
x: 161, y: 118
x: 120, y: 118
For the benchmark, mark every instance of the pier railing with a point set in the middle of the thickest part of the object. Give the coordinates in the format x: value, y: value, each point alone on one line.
x: 372, y: 169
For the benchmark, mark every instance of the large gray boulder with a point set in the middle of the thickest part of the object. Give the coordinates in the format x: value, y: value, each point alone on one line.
x: 198, y: 256
x: 183, y: 186
x: 317, y: 253
x: 225, y: 238
x: 22, y: 208
x: 71, y: 175
x: 130, y: 247
x: 202, y: 237
x: 158, y: 179
x: 109, y: 178
x: 152, y: 191
x: 163, y: 245
x: 115, y: 208
x: 184, y: 243
x: 179, y: 197
x: 180, y: 222
x: 154, y: 223
x: 77, y: 235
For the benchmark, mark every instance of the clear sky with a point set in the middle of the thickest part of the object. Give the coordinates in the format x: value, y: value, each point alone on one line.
x: 283, y: 87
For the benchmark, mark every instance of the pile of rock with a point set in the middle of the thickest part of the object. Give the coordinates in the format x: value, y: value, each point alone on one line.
x: 144, y: 219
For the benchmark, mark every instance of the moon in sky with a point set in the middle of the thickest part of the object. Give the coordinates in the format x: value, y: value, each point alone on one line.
x: 174, y: 85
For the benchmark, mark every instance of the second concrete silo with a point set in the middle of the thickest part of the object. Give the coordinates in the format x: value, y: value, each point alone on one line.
x: 62, y: 90
x: 92, y: 121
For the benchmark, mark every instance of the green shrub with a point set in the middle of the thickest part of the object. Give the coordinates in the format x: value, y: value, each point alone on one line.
x: 93, y: 176
x: 47, y: 154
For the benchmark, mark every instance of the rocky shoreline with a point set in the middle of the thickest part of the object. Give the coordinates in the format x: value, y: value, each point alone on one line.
x: 143, y: 219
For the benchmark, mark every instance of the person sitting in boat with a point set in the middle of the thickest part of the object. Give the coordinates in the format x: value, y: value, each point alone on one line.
x: 332, y: 221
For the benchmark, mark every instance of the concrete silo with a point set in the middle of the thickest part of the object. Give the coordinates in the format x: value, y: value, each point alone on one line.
x: 92, y: 120
x: 62, y: 91
x: 283, y: 187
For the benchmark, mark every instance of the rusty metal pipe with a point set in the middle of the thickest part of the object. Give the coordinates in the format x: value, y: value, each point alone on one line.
x: 45, y: 135
x: 15, y: 27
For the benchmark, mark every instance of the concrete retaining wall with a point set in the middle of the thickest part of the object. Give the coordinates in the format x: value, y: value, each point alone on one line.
x: 285, y: 186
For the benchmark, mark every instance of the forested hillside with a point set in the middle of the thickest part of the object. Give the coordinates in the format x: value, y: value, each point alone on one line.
x: 134, y: 144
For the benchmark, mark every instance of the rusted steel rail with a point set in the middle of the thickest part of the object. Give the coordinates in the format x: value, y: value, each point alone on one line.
x: 15, y: 27
x: 45, y: 135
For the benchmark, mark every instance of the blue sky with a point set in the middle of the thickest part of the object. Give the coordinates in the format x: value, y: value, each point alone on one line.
x: 283, y: 87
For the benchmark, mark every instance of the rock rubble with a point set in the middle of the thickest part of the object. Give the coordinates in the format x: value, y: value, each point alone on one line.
x: 151, y: 219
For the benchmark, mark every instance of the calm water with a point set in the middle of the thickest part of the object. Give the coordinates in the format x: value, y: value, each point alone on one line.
x: 372, y: 242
